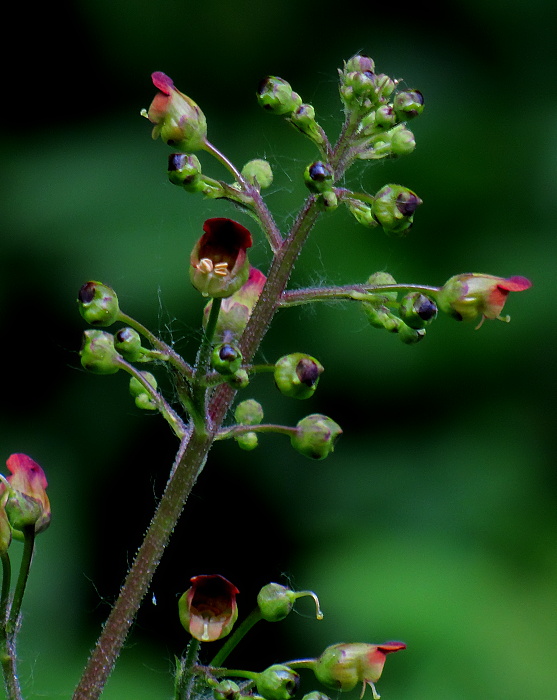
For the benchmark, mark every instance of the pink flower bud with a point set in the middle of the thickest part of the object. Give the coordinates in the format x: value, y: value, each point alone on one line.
x: 177, y: 119
x: 467, y: 295
x: 208, y: 609
x: 27, y: 502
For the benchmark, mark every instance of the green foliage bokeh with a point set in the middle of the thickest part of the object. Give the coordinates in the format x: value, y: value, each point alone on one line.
x: 435, y: 520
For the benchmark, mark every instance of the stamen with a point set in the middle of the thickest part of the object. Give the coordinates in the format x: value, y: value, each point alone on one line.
x: 205, y: 265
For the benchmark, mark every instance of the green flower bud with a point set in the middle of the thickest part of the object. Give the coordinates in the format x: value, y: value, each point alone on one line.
x: 380, y: 316
x: 142, y: 397
x: 297, y: 375
x: 275, y: 602
x: 98, y: 354
x: 316, y: 695
x: 402, y: 141
x: 315, y: 436
x: 277, y: 682
x: 128, y: 343
x: 319, y: 177
x: 226, y: 690
x: 184, y: 170
x: 239, y: 380
x: 394, y: 208
x: 329, y: 200
x: 359, y: 62
x: 408, y: 104
x: 248, y: 412
x: 384, y: 85
x: 23, y: 501
x: 304, y: 120
x: 226, y: 358
x: 417, y: 310
x: 385, y: 116
x: 258, y: 172
x: 98, y: 304
x: 247, y: 441
x: 276, y: 95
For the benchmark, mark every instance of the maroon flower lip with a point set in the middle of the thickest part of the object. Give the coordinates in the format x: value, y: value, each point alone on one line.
x: 218, y: 263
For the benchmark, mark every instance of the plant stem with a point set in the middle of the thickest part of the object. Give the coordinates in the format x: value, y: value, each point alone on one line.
x: 25, y: 566
x: 261, y: 210
x: 236, y: 637
x: 236, y: 430
x: 351, y: 292
x: 187, y: 466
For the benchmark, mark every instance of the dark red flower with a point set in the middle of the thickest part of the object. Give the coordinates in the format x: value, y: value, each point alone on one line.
x: 219, y: 264
x: 208, y: 609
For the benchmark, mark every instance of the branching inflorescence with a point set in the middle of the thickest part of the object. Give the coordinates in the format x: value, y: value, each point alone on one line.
x: 240, y: 303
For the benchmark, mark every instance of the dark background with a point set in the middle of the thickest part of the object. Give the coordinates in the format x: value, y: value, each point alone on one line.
x: 435, y: 519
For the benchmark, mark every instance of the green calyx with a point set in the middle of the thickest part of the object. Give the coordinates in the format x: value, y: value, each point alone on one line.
x: 278, y: 682
x: 276, y: 95
x: 258, y: 172
x: 297, y: 375
x: 319, y: 177
x: 394, y: 208
x: 98, y: 354
x: 315, y: 436
x: 248, y: 412
x: 226, y: 358
x: 417, y: 310
x: 127, y: 342
x: 98, y: 304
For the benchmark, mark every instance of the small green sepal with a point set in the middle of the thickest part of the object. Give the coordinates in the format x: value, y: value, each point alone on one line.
x: 98, y: 304
x: 315, y: 436
x: 226, y: 690
x: 98, y: 354
x: 297, y: 375
x: 142, y: 397
x: 278, y: 682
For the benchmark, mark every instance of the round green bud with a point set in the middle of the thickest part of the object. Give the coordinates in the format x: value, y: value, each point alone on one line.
x: 226, y: 358
x: 408, y: 104
x: 98, y: 304
x: 278, y: 682
x: 394, y: 208
x: 329, y: 200
x: 318, y: 177
x: 248, y: 412
x: 226, y: 690
x: 142, y: 398
x: 247, y: 441
x: 297, y: 375
x: 239, y: 380
x: 276, y: 96
x: 128, y: 343
x: 316, y: 695
x: 385, y: 116
x: 417, y: 310
x: 402, y: 142
x: 315, y: 436
x: 359, y: 62
x: 275, y: 602
x: 98, y: 354
x: 258, y: 172
x: 384, y: 85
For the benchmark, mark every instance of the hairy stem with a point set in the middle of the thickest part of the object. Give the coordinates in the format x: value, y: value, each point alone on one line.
x: 351, y: 292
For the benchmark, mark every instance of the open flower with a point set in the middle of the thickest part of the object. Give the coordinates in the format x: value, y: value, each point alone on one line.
x: 343, y: 666
x: 219, y: 264
x: 208, y: 609
x: 467, y: 295
x: 27, y: 502
x: 177, y: 119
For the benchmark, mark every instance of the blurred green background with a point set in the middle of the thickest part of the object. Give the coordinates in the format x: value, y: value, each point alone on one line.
x: 435, y: 520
